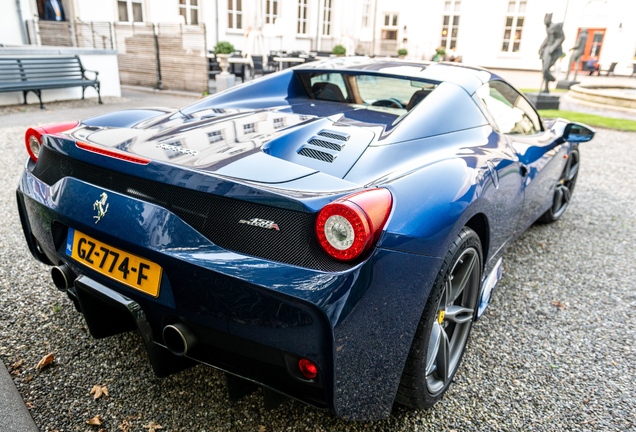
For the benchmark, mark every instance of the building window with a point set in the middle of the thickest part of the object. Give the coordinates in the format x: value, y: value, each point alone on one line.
x: 130, y: 9
x: 514, y: 26
x: 215, y: 136
x: 326, y: 18
x: 189, y: 10
x: 390, y: 27
x: 271, y: 11
x: 279, y: 123
x: 302, y: 17
x: 249, y: 128
x: 366, y: 6
x: 450, y: 24
x: 234, y: 14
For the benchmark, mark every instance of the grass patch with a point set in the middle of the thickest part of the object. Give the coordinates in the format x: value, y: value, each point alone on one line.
x: 591, y: 119
x: 537, y: 90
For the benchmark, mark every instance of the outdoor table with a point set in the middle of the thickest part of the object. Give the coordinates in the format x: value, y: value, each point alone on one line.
x: 243, y: 61
x: 280, y: 60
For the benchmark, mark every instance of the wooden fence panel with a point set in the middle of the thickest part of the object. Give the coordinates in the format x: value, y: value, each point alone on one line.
x: 183, y: 57
x: 137, y: 55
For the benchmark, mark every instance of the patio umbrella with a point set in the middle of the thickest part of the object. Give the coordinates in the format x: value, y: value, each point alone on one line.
x: 254, y: 25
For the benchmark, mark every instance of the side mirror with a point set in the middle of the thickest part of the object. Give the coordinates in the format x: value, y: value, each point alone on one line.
x: 578, y: 133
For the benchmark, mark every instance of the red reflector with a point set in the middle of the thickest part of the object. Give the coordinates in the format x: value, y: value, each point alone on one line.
x: 113, y: 153
x: 307, y: 368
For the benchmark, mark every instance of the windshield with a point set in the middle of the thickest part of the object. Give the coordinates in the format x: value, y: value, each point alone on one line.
x: 397, y: 95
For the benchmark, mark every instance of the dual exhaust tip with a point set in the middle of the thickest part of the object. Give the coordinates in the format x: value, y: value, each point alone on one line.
x: 63, y: 277
x: 178, y: 337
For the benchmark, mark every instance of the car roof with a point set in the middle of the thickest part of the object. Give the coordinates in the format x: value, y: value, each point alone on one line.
x: 468, y: 77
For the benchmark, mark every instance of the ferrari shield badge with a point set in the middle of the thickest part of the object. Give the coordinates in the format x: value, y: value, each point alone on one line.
x: 101, y: 207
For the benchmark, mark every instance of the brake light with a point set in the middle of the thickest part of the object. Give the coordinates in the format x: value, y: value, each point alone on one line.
x: 349, y: 226
x: 33, y: 137
x: 113, y: 153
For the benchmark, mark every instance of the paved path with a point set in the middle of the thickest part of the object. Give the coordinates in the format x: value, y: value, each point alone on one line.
x: 14, y: 416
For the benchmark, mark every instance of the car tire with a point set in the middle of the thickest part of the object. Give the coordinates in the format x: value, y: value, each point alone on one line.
x: 429, y: 371
x: 564, y: 188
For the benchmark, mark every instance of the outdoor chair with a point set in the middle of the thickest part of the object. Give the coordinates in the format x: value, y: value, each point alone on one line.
x: 610, y: 70
x: 259, y: 68
x: 272, y: 65
x: 238, y: 69
x: 213, y: 66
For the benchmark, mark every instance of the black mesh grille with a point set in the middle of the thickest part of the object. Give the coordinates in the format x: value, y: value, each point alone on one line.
x: 334, y: 135
x: 316, y: 154
x: 216, y: 217
x: 325, y: 144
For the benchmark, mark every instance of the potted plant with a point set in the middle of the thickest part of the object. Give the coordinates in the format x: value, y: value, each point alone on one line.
x: 223, y: 51
x: 339, y: 50
x: 402, y: 53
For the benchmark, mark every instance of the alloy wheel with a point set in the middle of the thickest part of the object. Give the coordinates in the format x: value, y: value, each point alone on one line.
x: 565, y: 185
x: 454, y: 319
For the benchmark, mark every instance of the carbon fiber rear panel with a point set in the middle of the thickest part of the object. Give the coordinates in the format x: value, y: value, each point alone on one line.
x: 215, y: 217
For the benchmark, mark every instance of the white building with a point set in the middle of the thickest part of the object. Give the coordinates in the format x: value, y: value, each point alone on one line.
x: 490, y: 33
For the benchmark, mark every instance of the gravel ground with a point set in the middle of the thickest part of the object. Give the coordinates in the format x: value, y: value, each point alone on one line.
x: 530, y: 365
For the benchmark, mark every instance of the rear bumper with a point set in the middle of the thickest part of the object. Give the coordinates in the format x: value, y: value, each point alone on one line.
x: 255, y: 317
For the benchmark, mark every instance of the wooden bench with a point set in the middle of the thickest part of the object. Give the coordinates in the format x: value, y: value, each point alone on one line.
x: 34, y: 74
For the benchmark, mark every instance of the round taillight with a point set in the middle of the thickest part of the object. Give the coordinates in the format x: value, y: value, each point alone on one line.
x: 308, y: 369
x: 343, y: 230
x: 349, y: 226
x: 33, y: 140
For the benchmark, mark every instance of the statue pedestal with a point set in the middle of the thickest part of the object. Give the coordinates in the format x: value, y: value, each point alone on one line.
x: 566, y: 84
x: 544, y: 101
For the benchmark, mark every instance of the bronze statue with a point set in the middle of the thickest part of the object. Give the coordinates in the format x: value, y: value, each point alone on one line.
x: 550, y: 50
x: 577, y: 52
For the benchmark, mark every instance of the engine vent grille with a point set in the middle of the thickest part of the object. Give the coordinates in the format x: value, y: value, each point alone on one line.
x: 216, y: 217
x: 334, y: 135
x: 326, y: 144
x: 317, y: 154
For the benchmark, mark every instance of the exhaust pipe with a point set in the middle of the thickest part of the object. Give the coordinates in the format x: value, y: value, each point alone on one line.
x: 179, y: 338
x: 63, y: 277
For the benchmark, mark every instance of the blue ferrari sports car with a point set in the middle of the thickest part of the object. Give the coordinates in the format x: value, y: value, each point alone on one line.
x: 329, y: 232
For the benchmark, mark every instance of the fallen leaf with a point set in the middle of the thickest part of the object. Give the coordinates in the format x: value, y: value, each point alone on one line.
x: 153, y: 427
x: 102, y: 430
x: 558, y: 304
x: 16, y: 372
x: 339, y: 348
x: 17, y: 364
x: 614, y: 363
x: 124, y: 426
x: 98, y: 391
x: 47, y: 359
x: 95, y: 421
x: 29, y: 405
x: 261, y: 428
x: 27, y: 379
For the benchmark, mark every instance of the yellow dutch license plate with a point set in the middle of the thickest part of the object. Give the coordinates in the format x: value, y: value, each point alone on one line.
x: 124, y: 267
